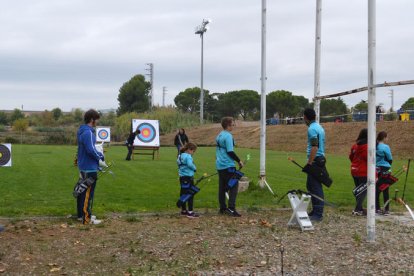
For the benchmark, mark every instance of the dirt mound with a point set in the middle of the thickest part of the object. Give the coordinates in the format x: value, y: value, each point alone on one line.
x: 339, y: 137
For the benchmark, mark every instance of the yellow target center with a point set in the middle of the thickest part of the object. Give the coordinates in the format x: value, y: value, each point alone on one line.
x: 145, y: 133
x: 1, y: 155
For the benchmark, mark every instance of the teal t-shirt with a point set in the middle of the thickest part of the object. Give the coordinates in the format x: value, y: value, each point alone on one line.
x: 186, y: 166
x: 383, y: 155
x: 224, y: 144
x: 315, y: 130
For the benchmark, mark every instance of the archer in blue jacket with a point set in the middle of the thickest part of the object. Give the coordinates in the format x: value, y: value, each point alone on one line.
x: 186, y: 170
x: 88, y: 164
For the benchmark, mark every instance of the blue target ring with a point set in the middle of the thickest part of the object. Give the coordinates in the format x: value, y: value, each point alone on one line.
x: 147, y: 133
x: 103, y: 134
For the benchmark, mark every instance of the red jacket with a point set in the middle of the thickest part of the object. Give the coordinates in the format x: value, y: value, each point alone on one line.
x: 358, y: 157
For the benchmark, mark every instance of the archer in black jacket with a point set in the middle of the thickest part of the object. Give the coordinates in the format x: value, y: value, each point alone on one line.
x: 130, y: 143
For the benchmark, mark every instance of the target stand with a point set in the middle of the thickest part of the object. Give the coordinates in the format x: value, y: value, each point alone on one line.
x: 147, y: 141
x: 139, y: 150
x: 300, y: 211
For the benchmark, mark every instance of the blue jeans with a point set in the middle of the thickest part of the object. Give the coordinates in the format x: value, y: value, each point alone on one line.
x: 315, y: 187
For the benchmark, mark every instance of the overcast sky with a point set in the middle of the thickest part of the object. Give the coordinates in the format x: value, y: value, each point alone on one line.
x: 77, y: 53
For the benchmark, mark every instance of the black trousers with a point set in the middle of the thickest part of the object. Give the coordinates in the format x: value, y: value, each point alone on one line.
x: 224, y: 177
x: 360, y: 199
x: 130, y: 148
x: 386, y: 193
x: 190, y: 202
x: 85, y: 199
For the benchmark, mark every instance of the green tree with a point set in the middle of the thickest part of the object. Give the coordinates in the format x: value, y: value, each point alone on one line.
x: 57, y: 113
x: 134, y: 95
x: 107, y: 119
x: 409, y: 104
x: 285, y: 103
x: 77, y: 115
x: 361, y: 106
x: 333, y: 107
x: 3, y: 118
x: 189, y: 99
x: 20, y: 125
x: 46, y: 118
x: 17, y: 114
x: 242, y: 102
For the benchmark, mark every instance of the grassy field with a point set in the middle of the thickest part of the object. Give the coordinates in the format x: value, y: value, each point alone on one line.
x: 41, y: 180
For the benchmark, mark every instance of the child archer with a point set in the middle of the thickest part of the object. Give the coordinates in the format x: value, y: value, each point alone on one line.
x: 186, y: 169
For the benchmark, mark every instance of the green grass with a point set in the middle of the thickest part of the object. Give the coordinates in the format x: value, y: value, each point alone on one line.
x: 41, y: 180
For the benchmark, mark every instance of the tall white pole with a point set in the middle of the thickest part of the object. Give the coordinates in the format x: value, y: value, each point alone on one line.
x: 263, y: 96
x: 371, y: 120
x: 318, y: 34
x: 392, y: 100
x: 201, y: 85
x: 164, y: 91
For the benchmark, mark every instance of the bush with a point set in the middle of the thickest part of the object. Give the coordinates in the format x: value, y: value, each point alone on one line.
x: 59, y: 138
x: 49, y: 129
x: 11, y: 140
x: 3, y: 128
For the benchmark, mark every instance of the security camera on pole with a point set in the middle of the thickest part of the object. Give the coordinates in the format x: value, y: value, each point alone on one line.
x: 201, y: 29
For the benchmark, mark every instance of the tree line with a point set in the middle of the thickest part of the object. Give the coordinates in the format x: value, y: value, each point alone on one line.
x: 243, y: 104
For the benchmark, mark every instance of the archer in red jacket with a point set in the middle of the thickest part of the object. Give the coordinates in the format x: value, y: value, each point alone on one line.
x: 358, y: 157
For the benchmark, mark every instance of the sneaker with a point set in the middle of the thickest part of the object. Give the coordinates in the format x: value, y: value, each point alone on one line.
x: 184, y: 212
x: 357, y: 213
x: 232, y: 212
x: 192, y: 215
x: 379, y: 212
x: 315, y: 218
x: 80, y: 219
x: 222, y: 211
x: 386, y: 213
x: 95, y: 221
x: 93, y: 217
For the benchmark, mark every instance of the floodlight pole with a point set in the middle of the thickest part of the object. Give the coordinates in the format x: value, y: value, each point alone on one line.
x: 318, y: 35
x: 371, y: 120
x: 201, y: 30
x: 262, y: 180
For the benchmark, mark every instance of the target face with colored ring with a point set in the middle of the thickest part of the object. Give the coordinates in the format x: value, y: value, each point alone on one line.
x: 5, y: 155
x: 103, y: 134
x: 148, y: 133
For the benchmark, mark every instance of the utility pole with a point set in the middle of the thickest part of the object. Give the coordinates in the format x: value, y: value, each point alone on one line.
x: 164, y: 91
x: 151, y: 75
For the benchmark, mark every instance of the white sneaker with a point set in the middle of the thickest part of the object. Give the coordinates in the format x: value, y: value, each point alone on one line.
x: 95, y: 221
x: 93, y: 217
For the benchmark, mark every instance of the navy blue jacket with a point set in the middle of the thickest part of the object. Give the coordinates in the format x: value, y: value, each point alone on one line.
x: 88, y: 156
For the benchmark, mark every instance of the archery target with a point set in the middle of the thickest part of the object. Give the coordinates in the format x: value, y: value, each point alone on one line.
x: 149, y: 135
x: 103, y: 134
x: 5, y: 155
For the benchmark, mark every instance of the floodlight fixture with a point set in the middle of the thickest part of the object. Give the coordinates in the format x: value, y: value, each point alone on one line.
x: 200, y: 30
